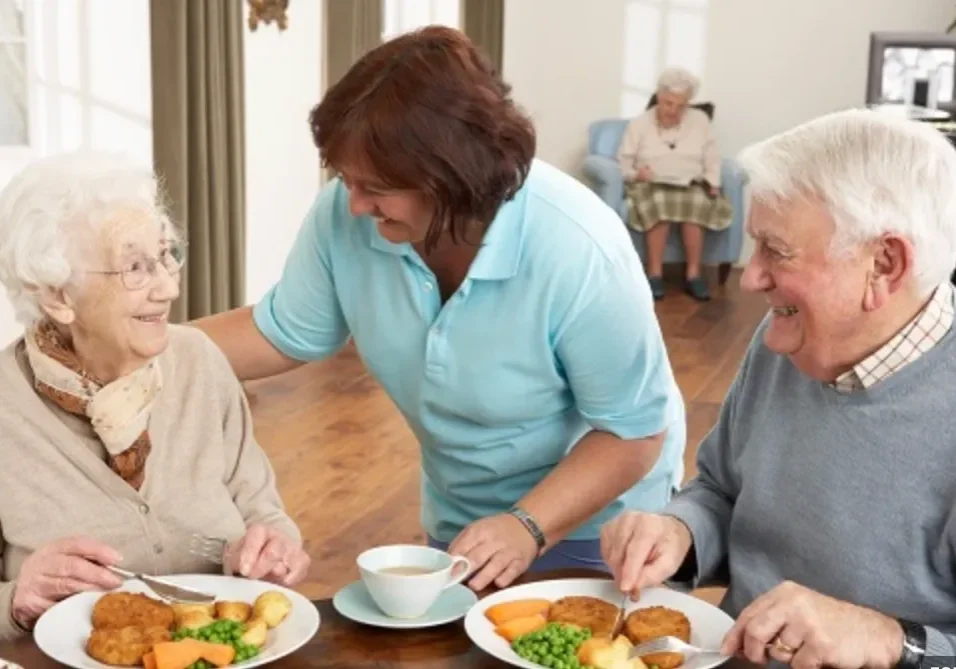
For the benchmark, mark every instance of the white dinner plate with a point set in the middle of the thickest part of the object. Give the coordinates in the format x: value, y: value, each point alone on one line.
x: 708, y: 624
x: 62, y: 631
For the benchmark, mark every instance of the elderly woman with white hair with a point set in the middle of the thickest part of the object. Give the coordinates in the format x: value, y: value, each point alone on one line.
x: 123, y: 436
x: 826, y: 493
x: 671, y: 169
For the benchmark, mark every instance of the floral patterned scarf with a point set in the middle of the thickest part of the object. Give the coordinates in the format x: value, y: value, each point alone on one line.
x: 118, y: 411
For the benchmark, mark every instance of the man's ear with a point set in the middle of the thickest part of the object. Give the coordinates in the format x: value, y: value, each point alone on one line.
x: 891, y: 264
x: 57, y: 304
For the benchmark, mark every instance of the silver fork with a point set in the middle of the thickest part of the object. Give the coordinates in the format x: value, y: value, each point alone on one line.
x: 165, y: 589
x: 670, y: 644
x: 208, y: 548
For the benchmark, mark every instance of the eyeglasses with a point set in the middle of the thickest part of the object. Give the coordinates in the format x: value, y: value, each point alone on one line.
x: 140, y: 270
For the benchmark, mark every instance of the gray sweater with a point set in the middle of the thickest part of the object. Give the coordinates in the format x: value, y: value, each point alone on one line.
x: 851, y: 495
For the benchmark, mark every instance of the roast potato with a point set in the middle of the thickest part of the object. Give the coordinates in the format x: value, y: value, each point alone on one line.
x: 255, y: 632
x: 272, y: 607
x: 238, y: 611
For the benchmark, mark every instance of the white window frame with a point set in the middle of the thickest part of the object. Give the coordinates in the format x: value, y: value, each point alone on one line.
x: 83, y: 92
x: 666, y: 7
x: 23, y: 152
x: 394, y: 23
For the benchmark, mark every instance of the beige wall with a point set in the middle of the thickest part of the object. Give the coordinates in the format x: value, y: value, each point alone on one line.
x: 565, y: 63
x: 283, y: 82
x: 769, y: 64
x: 772, y: 64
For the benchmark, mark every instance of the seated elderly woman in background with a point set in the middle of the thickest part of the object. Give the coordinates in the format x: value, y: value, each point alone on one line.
x: 671, y: 170
x: 826, y: 493
x: 123, y: 436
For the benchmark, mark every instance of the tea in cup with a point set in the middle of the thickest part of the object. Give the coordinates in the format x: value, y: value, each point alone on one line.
x: 405, y: 580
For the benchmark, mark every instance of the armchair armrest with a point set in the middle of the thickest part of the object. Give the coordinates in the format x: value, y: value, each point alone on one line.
x: 606, y: 179
x: 733, y: 181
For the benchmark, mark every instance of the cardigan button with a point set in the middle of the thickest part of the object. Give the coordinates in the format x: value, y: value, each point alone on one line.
x: 144, y: 509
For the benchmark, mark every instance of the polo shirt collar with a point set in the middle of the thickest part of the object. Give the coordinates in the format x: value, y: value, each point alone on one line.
x: 500, y: 249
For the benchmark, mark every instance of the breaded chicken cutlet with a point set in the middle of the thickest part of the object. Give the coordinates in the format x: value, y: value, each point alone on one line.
x: 129, y: 609
x: 124, y: 646
x: 653, y: 622
x: 593, y: 613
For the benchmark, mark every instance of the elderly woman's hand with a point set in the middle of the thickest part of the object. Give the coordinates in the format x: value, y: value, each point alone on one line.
x: 803, y: 628
x: 265, y: 553
x: 499, y: 548
x: 644, y: 174
x: 643, y: 549
x: 58, y: 570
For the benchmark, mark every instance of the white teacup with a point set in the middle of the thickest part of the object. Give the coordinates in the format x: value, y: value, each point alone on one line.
x: 405, y: 580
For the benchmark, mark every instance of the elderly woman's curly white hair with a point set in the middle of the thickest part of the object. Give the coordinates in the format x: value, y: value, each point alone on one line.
x: 50, y: 205
x: 679, y: 81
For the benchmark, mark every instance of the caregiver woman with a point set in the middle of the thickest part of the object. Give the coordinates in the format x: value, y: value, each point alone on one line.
x: 498, y: 301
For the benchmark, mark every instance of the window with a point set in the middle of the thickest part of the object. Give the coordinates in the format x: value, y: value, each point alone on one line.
x: 659, y: 34
x: 15, y: 124
x: 93, y: 76
x: 400, y: 16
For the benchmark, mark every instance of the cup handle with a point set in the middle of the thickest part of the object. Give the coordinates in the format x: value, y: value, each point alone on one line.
x: 455, y: 561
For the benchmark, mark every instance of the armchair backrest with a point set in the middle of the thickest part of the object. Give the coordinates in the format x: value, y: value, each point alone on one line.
x: 604, y: 136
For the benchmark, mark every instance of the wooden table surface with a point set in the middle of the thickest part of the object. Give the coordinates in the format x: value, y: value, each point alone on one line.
x: 341, y: 643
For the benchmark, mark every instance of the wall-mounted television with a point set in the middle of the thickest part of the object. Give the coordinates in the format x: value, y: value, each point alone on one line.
x: 912, y: 69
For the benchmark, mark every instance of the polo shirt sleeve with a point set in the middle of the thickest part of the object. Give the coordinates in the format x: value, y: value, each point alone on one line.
x: 301, y: 315
x: 612, y: 351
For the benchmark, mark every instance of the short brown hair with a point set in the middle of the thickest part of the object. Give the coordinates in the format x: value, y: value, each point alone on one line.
x: 428, y: 112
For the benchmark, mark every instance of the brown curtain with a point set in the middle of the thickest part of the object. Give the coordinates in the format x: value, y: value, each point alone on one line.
x: 198, y: 146
x: 352, y: 27
x: 484, y: 23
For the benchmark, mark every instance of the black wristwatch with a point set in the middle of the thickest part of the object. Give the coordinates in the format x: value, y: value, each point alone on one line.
x: 914, y: 645
x: 531, y: 525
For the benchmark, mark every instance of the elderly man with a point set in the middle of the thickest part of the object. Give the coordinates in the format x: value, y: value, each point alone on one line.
x: 825, y: 493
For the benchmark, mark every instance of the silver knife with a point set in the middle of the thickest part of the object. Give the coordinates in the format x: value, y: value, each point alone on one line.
x: 619, y: 622
x: 165, y: 589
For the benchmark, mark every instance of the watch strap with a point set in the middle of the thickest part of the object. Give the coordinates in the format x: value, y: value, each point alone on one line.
x: 914, y: 645
x: 531, y: 525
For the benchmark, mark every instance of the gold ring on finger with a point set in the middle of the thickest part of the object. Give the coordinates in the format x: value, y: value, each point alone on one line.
x: 783, y: 648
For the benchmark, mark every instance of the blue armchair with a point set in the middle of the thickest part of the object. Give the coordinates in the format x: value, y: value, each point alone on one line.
x: 721, y: 248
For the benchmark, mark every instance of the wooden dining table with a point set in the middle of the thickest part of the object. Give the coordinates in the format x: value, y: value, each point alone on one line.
x: 341, y: 643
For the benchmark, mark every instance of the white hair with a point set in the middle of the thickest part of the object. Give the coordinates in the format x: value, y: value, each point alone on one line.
x: 679, y: 81
x: 875, y: 173
x: 50, y: 202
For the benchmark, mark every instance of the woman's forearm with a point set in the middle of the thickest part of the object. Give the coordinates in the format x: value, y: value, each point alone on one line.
x: 249, y: 353
x: 598, y: 470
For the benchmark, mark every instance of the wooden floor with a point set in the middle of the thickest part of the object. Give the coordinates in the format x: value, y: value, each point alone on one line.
x: 348, y: 466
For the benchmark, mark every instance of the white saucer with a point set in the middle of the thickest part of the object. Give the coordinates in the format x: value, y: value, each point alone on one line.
x: 354, y: 602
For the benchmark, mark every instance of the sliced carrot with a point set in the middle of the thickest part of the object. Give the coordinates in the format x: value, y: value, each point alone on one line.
x: 516, y: 627
x: 218, y: 654
x: 520, y: 608
x: 149, y: 661
x: 176, y: 654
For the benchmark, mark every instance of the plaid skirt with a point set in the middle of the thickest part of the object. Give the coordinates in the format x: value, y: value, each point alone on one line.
x: 650, y: 203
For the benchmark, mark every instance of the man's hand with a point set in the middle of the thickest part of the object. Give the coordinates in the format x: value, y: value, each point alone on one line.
x: 499, y: 548
x: 808, y: 630
x: 267, y: 554
x: 58, y: 570
x: 643, y: 549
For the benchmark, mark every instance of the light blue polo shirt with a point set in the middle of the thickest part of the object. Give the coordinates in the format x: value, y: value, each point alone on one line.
x: 552, y: 334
